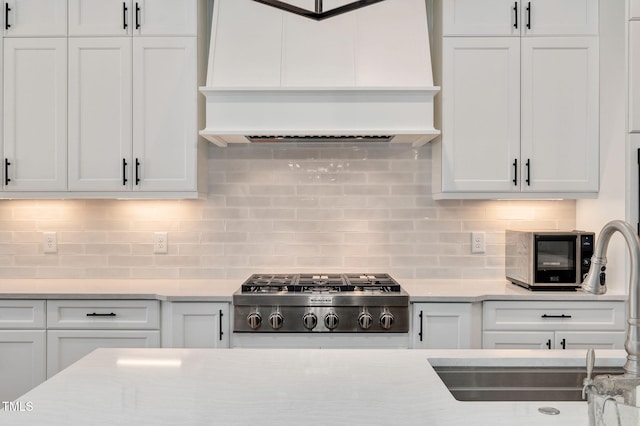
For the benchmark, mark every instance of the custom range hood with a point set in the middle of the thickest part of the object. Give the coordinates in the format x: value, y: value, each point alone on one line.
x: 319, y: 71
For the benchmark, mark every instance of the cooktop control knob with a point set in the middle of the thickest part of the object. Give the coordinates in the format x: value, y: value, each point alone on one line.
x: 310, y: 320
x: 254, y: 320
x: 276, y: 320
x: 365, y: 320
x: 331, y: 320
x: 386, y: 320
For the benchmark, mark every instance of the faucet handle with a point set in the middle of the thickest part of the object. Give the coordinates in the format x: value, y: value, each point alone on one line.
x: 591, y: 361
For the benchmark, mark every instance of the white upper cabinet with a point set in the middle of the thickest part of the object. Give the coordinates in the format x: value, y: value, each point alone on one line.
x: 100, y: 17
x: 520, y: 111
x: 485, y: 17
x: 130, y: 17
x: 481, y: 71
x: 165, y: 127
x: 35, y: 18
x: 560, y: 114
x: 165, y: 17
x: 514, y: 18
x: 100, y: 114
x: 35, y: 114
x: 559, y: 17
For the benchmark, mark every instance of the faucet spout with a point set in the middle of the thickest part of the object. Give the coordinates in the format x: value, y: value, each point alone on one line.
x: 595, y: 283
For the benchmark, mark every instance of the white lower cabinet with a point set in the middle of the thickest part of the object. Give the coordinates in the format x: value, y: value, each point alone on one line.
x: 446, y: 325
x: 64, y: 347
x: 195, y: 325
x: 22, y: 347
x: 77, y: 327
x: 553, y: 325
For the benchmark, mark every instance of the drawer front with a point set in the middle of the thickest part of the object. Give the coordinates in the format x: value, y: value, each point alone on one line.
x: 554, y: 316
x: 103, y: 314
x: 634, y: 9
x: 22, y: 314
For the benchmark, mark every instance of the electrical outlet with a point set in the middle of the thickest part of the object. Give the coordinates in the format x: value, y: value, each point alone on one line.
x: 160, y: 244
x: 477, y: 242
x: 50, y: 242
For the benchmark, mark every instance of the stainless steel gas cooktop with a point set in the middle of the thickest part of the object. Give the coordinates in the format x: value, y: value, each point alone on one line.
x: 367, y: 303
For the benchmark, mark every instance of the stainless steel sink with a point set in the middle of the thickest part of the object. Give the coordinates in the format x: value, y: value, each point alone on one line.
x: 517, y: 383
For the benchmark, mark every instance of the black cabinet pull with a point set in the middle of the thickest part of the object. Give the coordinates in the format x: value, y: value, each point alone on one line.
x: 6, y: 171
x: 94, y: 314
x: 124, y: 16
x: 137, y: 16
x: 420, y: 332
x: 124, y: 172
x: 548, y: 344
x: 7, y: 9
x: 515, y: 13
x: 529, y: 15
x: 221, y: 332
x: 515, y: 172
x: 563, y: 343
x: 555, y: 316
x: 528, y: 180
x: 137, y: 171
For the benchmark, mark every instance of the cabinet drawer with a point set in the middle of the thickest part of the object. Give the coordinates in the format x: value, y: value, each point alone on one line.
x: 103, y: 314
x: 22, y: 314
x: 554, y: 316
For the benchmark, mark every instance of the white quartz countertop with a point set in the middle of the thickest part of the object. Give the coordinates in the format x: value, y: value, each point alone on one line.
x: 283, y: 387
x: 420, y: 290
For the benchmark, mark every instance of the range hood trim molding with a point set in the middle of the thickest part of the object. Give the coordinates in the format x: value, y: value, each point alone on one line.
x: 233, y: 114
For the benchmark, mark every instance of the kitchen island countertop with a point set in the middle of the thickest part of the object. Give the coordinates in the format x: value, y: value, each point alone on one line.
x: 420, y: 290
x: 282, y: 387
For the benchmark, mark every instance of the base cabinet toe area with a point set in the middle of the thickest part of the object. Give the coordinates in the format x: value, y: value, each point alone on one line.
x: 553, y: 325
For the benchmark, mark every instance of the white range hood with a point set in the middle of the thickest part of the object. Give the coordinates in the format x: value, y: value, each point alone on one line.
x: 277, y: 76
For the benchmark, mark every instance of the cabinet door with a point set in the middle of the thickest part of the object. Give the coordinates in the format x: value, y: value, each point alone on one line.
x: 634, y: 76
x: 165, y: 130
x: 34, y: 18
x: 480, y: 18
x: 590, y: 339
x: 199, y: 325
x: 165, y: 17
x: 22, y: 362
x: 35, y: 114
x: 553, y: 17
x: 100, y: 129
x: 64, y: 347
x: 100, y: 17
x: 481, y: 114
x: 442, y: 326
x: 560, y: 114
x: 517, y: 340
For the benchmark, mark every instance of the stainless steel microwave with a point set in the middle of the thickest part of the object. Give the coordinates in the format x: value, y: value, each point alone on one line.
x: 548, y: 260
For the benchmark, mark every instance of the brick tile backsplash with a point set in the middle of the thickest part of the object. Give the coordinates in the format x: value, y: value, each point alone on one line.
x: 278, y: 208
